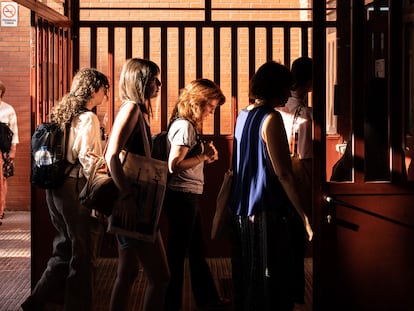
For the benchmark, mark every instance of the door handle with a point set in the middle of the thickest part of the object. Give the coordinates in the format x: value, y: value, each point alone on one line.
x: 330, y: 200
x: 333, y: 202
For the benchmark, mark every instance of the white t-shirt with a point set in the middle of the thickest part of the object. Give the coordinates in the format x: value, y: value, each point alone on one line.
x: 8, y: 116
x: 84, y: 141
x: 303, y: 126
x: 182, y: 133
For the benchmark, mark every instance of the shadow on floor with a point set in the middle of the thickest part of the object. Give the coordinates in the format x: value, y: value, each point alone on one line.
x: 15, y: 272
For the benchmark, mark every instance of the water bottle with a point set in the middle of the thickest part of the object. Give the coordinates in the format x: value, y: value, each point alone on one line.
x: 43, y: 157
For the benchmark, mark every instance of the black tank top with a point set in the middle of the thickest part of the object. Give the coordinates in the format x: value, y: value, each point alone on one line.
x: 135, y: 143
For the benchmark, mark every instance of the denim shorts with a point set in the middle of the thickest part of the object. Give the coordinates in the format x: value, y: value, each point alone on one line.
x: 127, y: 242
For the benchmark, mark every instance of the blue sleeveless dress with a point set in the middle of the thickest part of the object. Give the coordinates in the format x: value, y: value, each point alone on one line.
x: 267, y: 262
x: 256, y: 187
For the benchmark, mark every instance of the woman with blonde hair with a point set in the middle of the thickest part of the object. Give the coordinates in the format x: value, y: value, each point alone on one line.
x: 138, y: 84
x: 186, y: 161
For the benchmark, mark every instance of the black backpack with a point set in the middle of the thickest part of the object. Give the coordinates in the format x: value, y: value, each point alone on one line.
x: 160, y: 146
x: 6, y: 136
x: 53, y: 174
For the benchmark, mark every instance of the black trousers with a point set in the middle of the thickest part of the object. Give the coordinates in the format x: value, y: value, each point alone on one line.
x: 185, y: 239
x: 267, y: 261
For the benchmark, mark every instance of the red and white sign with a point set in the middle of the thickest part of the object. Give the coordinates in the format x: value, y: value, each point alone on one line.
x: 9, y: 14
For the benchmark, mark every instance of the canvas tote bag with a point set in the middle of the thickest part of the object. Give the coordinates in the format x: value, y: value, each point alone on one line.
x: 149, y: 177
x: 221, y: 226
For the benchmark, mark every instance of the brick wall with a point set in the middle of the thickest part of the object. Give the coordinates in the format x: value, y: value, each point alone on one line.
x: 15, y: 73
x: 176, y: 11
x: 15, y: 60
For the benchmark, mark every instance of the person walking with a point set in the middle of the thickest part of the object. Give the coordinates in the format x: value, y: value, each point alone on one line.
x: 68, y: 277
x: 7, y: 116
x: 298, y: 116
x: 267, y: 209
x: 187, y: 158
x: 138, y: 84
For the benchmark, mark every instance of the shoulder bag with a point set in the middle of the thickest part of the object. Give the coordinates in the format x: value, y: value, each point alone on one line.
x: 222, y: 217
x: 149, y: 177
x: 100, y: 191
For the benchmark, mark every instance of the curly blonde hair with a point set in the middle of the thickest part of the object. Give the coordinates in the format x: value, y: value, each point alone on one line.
x: 193, y: 98
x: 85, y: 82
x: 2, y: 89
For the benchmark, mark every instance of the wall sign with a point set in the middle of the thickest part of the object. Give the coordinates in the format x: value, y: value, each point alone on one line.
x: 9, y: 14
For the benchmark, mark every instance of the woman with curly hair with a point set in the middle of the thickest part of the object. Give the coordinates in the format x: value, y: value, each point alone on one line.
x: 187, y: 157
x: 68, y: 276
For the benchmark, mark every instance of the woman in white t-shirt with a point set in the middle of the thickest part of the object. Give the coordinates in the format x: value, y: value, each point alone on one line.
x: 68, y: 277
x: 297, y: 115
x: 7, y: 116
x: 187, y: 157
x: 297, y: 118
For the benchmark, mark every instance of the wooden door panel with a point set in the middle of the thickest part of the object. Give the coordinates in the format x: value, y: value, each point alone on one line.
x: 374, y: 252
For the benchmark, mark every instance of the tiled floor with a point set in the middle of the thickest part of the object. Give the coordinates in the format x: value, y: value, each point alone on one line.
x: 14, y: 260
x: 15, y: 271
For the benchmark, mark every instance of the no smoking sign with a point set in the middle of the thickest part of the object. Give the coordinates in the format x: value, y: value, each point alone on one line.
x: 9, y: 14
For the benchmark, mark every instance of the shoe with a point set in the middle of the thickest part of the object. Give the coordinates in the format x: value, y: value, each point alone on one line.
x: 222, y: 304
x: 31, y: 305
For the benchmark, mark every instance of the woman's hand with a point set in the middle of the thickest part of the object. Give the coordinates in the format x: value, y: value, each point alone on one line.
x: 210, y: 152
x: 308, y: 228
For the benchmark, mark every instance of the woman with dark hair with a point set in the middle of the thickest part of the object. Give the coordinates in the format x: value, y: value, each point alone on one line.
x: 298, y: 116
x: 138, y: 84
x: 68, y: 276
x: 264, y: 200
x: 187, y: 158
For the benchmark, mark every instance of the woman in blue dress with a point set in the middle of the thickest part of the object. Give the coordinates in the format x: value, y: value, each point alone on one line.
x: 269, y: 218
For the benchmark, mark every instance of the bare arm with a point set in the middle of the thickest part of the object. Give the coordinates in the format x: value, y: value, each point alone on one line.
x: 123, y: 127
x: 277, y: 147
x: 12, y: 152
x: 177, y: 161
